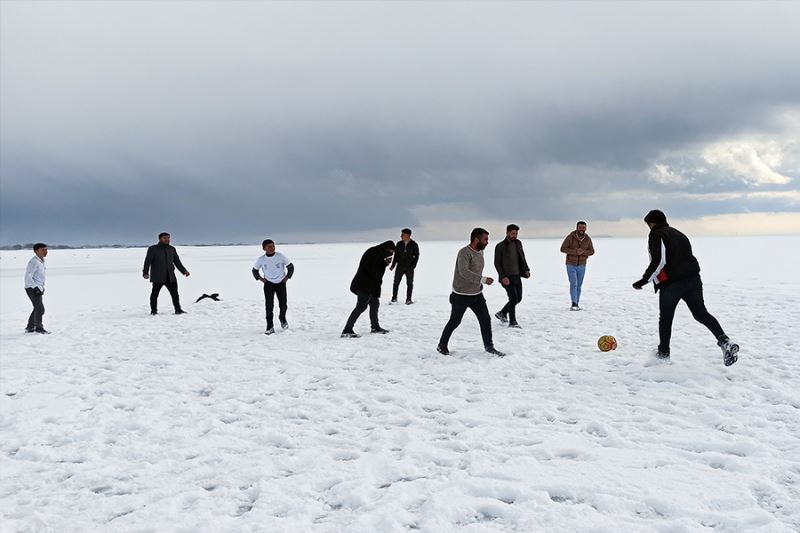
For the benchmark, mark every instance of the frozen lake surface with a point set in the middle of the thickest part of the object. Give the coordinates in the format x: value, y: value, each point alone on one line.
x: 120, y: 421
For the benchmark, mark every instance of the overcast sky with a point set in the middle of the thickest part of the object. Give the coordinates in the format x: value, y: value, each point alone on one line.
x: 234, y: 121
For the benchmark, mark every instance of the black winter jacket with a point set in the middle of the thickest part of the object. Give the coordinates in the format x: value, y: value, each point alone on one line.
x: 406, y: 255
x: 369, y: 276
x: 671, y: 257
x: 160, y: 263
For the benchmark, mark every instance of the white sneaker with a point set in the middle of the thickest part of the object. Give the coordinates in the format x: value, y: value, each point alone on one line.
x: 575, y: 307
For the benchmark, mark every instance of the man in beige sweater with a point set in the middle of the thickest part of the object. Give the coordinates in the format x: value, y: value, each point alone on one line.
x: 578, y: 247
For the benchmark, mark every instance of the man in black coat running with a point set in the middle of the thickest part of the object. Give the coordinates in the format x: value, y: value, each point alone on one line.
x: 366, y: 285
x: 406, y: 255
x: 675, y: 273
x: 159, y: 267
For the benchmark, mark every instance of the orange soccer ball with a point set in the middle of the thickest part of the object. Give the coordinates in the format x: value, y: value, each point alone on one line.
x: 606, y: 343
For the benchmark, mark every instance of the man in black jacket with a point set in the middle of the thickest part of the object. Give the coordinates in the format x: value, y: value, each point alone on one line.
x: 675, y: 274
x: 366, y: 285
x: 406, y: 255
x: 509, y: 260
x: 159, y: 268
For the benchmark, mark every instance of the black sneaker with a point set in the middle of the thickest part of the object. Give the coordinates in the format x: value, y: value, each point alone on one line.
x: 501, y: 317
x: 42, y: 331
x: 29, y: 330
x: 153, y: 312
x: 664, y: 356
x: 350, y: 335
x: 442, y: 350
x: 730, y: 351
x: 284, y: 325
x: 575, y: 307
x: 494, y: 351
x: 269, y: 331
x: 393, y: 301
x: 379, y: 330
x: 514, y: 325
x: 409, y: 301
x: 180, y: 312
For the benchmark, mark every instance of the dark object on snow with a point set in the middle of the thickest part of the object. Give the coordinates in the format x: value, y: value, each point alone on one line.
x: 213, y: 296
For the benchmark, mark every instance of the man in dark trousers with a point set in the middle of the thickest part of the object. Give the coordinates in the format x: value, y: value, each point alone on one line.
x: 366, y: 285
x: 159, y: 267
x: 274, y: 270
x: 509, y: 260
x: 468, y: 282
x: 34, y: 288
x: 675, y: 274
x: 406, y: 255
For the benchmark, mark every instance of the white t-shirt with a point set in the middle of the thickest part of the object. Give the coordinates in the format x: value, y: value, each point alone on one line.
x: 272, y: 268
x: 34, y: 273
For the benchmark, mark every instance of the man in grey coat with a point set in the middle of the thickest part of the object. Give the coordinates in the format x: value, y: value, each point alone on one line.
x: 159, y: 267
x: 468, y: 281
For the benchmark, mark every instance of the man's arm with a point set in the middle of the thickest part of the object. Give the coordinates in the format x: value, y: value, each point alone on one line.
x: 148, y: 260
x: 394, y: 258
x: 590, y: 247
x: 256, y: 274
x: 654, y: 246
x: 289, y: 270
x: 179, y: 265
x: 565, y: 249
x: 463, y: 264
x: 498, y: 261
x: 415, y: 258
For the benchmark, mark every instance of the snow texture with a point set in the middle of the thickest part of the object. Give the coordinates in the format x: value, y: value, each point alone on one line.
x: 122, y: 421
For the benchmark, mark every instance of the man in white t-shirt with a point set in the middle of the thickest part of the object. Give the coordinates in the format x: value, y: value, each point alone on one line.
x: 273, y: 269
x: 34, y: 287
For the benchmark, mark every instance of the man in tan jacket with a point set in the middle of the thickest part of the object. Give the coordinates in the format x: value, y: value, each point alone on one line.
x: 578, y: 247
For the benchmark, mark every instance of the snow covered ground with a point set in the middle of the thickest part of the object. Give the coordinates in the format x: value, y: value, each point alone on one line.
x: 120, y: 421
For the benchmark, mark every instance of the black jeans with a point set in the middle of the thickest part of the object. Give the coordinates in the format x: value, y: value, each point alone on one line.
x: 460, y: 303
x: 364, y: 300
x: 690, y: 291
x: 399, y: 272
x: 514, y: 291
x: 35, y: 320
x: 172, y: 287
x: 270, y: 290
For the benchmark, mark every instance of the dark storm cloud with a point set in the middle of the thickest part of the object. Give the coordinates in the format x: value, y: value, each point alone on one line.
x: 219, y: 121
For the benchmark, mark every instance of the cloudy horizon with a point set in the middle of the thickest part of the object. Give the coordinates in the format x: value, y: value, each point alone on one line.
x: 227, y: 122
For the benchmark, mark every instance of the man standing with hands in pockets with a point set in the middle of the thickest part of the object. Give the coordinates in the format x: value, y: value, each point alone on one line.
x: 273, y: 269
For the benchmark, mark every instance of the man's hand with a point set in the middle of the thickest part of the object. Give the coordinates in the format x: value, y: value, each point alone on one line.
x: 146, y: 276
x: 285, y: 279
x: 489, y: 281
x: 526, y: 274
x: 186, y: 274
x: 391, y: 267
x: 262, y: 280
x: 638, y: 285
x: 505, y: 281
x: 579, y: 251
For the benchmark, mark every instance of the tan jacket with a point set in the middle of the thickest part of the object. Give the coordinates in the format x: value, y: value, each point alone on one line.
x: 571, y: 246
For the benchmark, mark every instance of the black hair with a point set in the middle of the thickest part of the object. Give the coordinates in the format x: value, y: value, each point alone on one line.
x: 477, y: 233
x: 656, y: 217
x: 266, y: 242
x: 39, y: 245
x: 406, y: 231
x: 512, y: 227
x: 579, y: 223
x: 163, y: 234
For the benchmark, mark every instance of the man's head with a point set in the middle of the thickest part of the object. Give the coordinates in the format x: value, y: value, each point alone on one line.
x: 163, y: 237
x: 655, y: 218
x: 479, y: 238
x: 405, y: 234
x: 388, y: 248
x: 40, y: 249
x: 512, y: 230
x: 268, y: 246
x: 580, y: 227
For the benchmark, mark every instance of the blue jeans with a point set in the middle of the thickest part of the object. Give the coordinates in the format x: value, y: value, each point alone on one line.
x: 575, y: 274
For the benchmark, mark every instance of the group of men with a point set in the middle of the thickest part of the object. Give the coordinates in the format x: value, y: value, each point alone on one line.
x: 673, y: 270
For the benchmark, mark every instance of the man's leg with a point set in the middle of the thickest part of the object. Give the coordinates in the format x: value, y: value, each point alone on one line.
x: 478, y: 306
x: 172, y: 287
x: 398, y: 275
x: 154, y: 296
x: 362, y: 302
x: 516, y: 294
x: 374, y: 305
x: 409, y: 283
x: 668, y: 298
x: 280, y: 290
x: 458, y: 307
x: 694, y: 299
x: 269, y: 303
x: 580, y: 272
x: 35, y: 318
x: 572, y: 275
